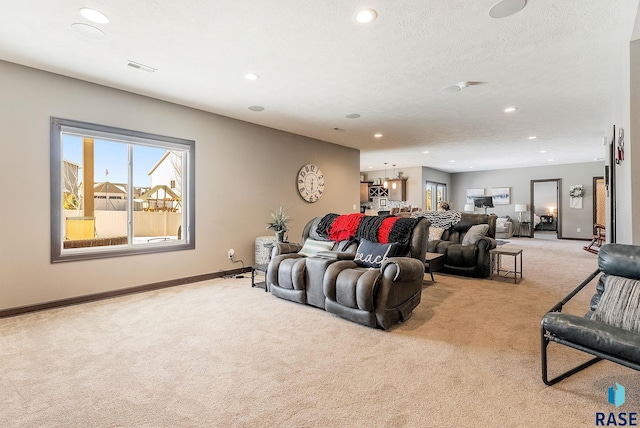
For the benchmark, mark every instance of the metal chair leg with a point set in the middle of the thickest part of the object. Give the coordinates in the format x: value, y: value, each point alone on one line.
x: 543, y: 354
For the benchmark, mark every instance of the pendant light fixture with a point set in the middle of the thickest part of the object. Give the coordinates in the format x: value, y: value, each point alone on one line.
x: 394, y: 184
x: 386, y: 183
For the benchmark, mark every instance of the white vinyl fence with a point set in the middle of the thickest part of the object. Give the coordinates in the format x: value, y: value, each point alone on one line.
x: 110, y: 224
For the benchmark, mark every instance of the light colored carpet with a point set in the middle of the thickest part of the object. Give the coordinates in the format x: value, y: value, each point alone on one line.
x: 221, y: 354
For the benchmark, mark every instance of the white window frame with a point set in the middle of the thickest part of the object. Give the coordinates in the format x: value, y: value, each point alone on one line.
x: 90, y: 130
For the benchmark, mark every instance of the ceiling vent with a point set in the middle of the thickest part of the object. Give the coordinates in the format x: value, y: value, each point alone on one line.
x: 142, y: 67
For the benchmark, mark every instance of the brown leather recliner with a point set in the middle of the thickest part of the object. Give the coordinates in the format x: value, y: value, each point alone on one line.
x: 375, y: 297
x: 467, y: 260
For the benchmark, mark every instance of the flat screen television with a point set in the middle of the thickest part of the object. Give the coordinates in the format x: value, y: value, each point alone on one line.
x: 483, y: 202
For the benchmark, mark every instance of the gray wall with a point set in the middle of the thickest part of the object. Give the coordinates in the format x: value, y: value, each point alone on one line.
x: 628, y: 231
x: 519, y: 180
x: 243, y: 172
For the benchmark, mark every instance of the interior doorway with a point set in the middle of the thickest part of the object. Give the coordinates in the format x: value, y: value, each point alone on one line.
x: 545, y: 210
x: 599, y: 201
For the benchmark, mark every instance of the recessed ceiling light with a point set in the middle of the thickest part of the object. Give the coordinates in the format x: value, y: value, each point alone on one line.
x: 370, y: 167
x: 452, y: 161
x: 366, y: 15
x: 505, y: 8
x: 251, y: 76
x: 425, y: 152
x: 543, y: 151
x: 352, y: 116
x: 94, y: 16
x: 550, y: 160
x: 256, y: 108
x: 510, y: 109
x: 378, y: 135
x: 533, y: 137
x: 470, y: 167
x: 88, y: 31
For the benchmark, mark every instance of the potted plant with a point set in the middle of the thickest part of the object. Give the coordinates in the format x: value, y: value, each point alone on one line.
x: 278, y: 223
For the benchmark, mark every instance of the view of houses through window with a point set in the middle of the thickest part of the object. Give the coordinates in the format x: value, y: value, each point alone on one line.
x: 119, y: 191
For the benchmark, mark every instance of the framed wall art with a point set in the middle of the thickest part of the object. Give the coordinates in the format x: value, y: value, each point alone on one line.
x: 472, y: 194
x: 501, y: 195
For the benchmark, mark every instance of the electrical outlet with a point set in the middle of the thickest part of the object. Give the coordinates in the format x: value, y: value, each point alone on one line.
x: 231, y: 253
x: 578, y: 230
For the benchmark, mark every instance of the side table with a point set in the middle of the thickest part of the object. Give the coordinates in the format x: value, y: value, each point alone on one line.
x: 263, y: 256
x: 433, y: 262
x: 259, y: 268
x: 496, y: 263
x: 524, y: 228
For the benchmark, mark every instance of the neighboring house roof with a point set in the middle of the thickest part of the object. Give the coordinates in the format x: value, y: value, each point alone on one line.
x: 152, y: 193
x: 108, y: 187
x: 166, y: 155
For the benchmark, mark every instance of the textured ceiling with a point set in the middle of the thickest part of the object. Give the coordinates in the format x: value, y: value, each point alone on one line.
x: 554, y: 60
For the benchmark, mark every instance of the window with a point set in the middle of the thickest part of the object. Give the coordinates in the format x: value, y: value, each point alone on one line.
x: 116, y: 192
x: 435, y: 194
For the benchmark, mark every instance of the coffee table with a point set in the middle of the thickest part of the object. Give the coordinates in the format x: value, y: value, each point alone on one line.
x: 433, y: 262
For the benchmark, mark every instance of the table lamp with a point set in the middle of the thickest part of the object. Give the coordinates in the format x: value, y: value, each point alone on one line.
x: 520, y: 208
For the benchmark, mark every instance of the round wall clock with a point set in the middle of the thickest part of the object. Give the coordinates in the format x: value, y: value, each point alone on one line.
x: 310, y: 182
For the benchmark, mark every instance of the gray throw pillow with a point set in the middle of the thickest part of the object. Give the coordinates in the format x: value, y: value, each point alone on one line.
x: 620, y: 303
x: 474, y: 233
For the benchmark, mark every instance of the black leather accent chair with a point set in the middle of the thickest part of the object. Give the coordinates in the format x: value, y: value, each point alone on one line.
x: 588, y: 333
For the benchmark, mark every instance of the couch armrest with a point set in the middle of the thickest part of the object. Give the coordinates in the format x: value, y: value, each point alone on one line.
x: 486, y: 243
x: 406, y: 268
x: 285, y: 248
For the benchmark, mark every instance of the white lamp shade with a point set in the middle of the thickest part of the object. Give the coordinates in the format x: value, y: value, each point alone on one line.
x: 469, y: 208
x: 520, y: 208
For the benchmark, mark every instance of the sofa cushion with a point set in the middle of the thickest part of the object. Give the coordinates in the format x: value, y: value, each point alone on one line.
x: 593, y: 334
x: 372, y: 254
x: 619, y: 305
x: 312, y: 247
x: 435, y: 233
x: 474, y: 233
